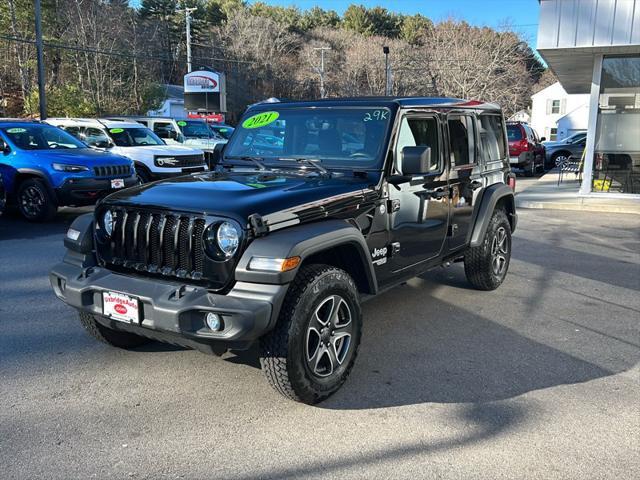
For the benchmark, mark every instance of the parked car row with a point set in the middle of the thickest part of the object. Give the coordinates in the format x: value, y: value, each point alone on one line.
x: 76, y: 161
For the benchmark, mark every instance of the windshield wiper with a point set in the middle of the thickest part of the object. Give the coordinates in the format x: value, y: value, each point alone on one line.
x: 256, y: 160
x: 315, y: 163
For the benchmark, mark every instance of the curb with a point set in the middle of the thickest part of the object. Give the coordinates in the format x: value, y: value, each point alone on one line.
x: 581, y: 206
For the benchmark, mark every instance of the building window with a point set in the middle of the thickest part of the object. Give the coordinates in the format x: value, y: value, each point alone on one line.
x: 616, y: 166
x: 553, y: 134
x: 555, y: 107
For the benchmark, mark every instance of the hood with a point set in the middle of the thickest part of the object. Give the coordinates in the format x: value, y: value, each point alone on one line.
x: 203, y: 143
x: 280, y: 198
x: 81, y: 156
x: 173, y: 149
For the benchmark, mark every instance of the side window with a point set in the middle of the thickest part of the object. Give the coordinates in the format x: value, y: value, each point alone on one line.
x: 418, y: 132
x: 164, y: 130
x: 95, y: 137
x: 461, y: 139
x: 75, y: 131
x: 492, y: 141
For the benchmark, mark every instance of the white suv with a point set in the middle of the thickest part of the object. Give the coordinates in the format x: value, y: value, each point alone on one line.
x: 188, y: 131
x: 153, y: 158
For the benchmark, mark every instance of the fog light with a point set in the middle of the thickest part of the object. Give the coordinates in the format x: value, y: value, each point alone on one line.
x: 214, y: 321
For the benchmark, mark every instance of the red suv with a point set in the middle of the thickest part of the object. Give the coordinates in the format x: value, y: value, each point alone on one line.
x: 526, y: 151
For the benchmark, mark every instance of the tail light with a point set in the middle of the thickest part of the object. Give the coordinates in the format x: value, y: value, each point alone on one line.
x: 511, y: 182
x: 524, y: 145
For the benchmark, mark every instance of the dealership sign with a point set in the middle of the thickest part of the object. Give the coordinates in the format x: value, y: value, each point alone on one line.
x: 205, y: 92
x: 202, y: 81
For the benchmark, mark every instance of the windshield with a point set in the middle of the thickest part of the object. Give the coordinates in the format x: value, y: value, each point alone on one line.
x: 340, y: 137
x: 41, y: 137
x: 224, y: 132
x: 196, y: 129
x: 576, y: 137
x: 134, y: 137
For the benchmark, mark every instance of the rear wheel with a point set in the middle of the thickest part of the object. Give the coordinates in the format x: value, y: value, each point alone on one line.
x: 309, y: 354
x: 109, y: 336
x: 486, y: 266
x: 35, y: 202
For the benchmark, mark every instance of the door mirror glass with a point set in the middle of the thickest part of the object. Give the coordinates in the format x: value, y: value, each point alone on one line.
x: 417, y: 161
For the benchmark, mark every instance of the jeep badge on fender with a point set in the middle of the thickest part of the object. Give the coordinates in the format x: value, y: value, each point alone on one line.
x: 314, y: 207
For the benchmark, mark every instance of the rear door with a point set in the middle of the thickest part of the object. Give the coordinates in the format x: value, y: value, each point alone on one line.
x: 465, y: 177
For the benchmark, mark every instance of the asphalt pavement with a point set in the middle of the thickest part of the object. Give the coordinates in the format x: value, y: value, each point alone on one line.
x: 539, y: 379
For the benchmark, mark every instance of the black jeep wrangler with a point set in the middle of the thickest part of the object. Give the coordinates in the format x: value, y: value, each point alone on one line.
x: 315, y: 207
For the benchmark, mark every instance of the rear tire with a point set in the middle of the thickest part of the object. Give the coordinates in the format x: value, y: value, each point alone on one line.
x: 35, y: 201
x: 486, y: 266
x: 109, y: 336
x: 310, y: 352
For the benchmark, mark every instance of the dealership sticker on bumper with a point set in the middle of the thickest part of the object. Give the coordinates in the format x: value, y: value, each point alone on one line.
x: 121, y: 307
x: 117, y: 183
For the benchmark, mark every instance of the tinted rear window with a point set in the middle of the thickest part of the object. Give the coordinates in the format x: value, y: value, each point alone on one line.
x: 514, y: 132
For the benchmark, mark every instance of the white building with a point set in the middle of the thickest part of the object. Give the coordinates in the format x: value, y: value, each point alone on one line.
x: 173, y: 105
x: 551, y: 105
x: 593, y: 47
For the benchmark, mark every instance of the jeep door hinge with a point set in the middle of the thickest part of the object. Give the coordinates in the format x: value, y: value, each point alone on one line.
x: 258, y: 226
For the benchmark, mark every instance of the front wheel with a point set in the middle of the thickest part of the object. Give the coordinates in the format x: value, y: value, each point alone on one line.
x: 486, y: 265
x: 35, y: 202
x: 310, y: 352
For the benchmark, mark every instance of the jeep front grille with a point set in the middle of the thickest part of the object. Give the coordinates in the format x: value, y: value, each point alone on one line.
x: 112, y: 171
x: 167, y: 244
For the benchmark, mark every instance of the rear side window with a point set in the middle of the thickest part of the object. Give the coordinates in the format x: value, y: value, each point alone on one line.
x: 492, y: 140
x: 461, y: 139
x: 514, y: 132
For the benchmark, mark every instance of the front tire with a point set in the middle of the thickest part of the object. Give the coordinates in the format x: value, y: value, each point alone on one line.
x: 115, y: 338
x: 486, y: 266
x: 310, y: 352
x: 35, y: 202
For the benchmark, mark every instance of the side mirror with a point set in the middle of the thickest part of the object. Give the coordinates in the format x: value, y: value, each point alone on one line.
x: 172, y: 134
x: 417, y: 161
x: 4, y: 147
x: 543, y: 139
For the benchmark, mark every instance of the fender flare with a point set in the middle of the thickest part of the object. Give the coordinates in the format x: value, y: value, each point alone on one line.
x: 304, y: 241
x: 490, y: 198
x: 42, y: 175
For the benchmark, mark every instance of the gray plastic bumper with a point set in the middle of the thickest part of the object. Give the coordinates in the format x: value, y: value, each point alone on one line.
x: 173, y: 311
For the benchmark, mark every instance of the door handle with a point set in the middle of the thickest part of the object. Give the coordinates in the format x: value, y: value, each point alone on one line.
x: 476, y: 185
x: 436, y: 193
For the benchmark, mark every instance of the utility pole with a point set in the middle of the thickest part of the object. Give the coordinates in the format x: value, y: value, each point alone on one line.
x: 321, y: 70
x: 387, y: 83
x: 41, y: 92
x: 187, y: 18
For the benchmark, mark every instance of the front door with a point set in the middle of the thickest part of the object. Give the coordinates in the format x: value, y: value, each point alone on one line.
x: 418, y: 206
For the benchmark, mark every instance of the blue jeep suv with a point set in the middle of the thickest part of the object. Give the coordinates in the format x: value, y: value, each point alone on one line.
x: 44, y: 168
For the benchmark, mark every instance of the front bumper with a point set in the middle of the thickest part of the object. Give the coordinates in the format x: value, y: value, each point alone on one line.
x: 156, y: 175
x: 174, y: 312
x: 86, y: 191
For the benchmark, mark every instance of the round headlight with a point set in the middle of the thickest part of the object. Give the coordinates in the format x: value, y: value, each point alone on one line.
x: 107, y: 221
x: 228, y: 238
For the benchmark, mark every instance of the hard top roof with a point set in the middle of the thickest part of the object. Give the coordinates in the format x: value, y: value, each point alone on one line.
x: 99, y: 122
x: 395, y: 102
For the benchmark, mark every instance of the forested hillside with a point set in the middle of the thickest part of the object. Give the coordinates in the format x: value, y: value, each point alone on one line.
x: 103, y: 56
